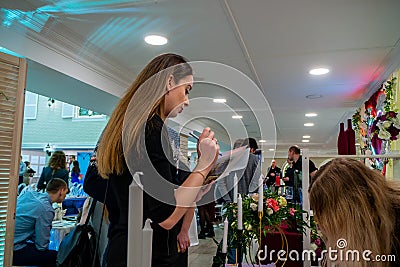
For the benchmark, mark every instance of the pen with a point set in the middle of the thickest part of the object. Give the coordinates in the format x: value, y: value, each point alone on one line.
x: 194, y: 136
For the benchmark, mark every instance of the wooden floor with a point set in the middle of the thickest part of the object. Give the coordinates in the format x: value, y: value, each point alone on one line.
x: 202, y: 254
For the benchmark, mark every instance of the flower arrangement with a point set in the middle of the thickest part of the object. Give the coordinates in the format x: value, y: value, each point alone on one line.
x: 317, y: 244
x: 277, y: 214
x: 386, y: 126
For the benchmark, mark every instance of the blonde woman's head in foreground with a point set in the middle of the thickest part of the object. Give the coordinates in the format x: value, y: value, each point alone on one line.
x: 357, y: 204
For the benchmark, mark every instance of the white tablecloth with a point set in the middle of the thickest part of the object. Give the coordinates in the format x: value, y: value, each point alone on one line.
x: 57, y: 233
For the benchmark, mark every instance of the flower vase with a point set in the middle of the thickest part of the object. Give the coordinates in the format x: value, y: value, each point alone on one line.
x: 342, y: 143
x: 351, y: 138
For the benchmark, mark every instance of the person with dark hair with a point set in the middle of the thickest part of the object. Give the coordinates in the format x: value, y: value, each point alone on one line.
x: 296, y: 158
x: 252, y: 143
x: 75, y: 172
x: 28, y: 173
x: 57, y: 167
x: 33, y: 222
x: 71, y: 159
x: 353, y: 203
x: 135, y: 139
x: 22, y: 170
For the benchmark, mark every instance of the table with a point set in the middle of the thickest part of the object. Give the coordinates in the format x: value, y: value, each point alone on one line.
x: 57, y: 233
x: 273, y: 241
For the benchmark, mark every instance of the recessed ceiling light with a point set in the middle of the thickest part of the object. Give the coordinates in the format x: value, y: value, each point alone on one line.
x: 155, y: 40
x: 305, y: 140
x: 309, y: 124
x: 271, y: 149
x: 319, y: 71
x: 311, y: 114
x: 306, y: 136
x: 237, y: 116
x: 262, y: 141
x: 313, y: 96
x: 219, y: 100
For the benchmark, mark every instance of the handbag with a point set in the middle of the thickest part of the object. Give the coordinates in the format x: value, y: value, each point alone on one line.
x: 78, y: 248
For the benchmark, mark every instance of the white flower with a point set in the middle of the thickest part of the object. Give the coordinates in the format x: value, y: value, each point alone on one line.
x: 248, y: 227
x: 270, y: 211
x: 396, y: 122
x: 314, y: 246
x: 253, y: 206
x: 386, y: 124
x: 380, y: 125
x: 383, y: 134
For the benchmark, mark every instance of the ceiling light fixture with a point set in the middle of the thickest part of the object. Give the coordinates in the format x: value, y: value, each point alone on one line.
x: 262, y: 141
x: 311, y: 115
x: 319, y: 71
x: 155, y: 40
x: 237, y: 116
x: 306, y: 136
x: 271, y: 149
x: 219, y: 100
x: 305, y: 141
x: 309, y: 124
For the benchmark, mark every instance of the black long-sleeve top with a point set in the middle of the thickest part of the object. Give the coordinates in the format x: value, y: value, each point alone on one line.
x: 159, y: 180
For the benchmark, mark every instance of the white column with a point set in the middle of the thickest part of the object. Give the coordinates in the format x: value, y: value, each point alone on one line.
x: 306, y: 200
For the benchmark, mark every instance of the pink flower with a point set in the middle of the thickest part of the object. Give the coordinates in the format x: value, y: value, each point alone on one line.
x: 272, y: 203
x: 318, y: 242
x: 292, y: 211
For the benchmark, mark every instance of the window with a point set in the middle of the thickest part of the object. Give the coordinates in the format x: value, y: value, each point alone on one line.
x: 31, y: 101
x: 82, y: 112
x: 67, y: 111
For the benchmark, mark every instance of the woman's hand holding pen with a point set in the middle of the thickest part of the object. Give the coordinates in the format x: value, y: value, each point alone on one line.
x: 208, y: 151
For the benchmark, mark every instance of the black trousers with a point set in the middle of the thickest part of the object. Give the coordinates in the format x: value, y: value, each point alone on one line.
x: 30, y: 256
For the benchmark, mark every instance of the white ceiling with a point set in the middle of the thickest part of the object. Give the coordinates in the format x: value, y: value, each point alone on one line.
x: 274, y: 42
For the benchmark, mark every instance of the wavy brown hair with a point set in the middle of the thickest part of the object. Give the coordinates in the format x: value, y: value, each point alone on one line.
x: 58, y: 160
x: 148, y: 101
x: 353, y: 202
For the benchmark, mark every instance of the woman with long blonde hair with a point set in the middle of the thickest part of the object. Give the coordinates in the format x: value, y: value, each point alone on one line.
x: 357, y: 210
x: 135, y: 139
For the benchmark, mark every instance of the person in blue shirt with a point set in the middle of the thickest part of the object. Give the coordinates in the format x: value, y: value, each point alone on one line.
x: 22, y: 170
x: 33, y: 223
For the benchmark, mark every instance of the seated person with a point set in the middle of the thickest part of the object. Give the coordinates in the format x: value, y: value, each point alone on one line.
x: 33, y: 223
x: 358, y: 205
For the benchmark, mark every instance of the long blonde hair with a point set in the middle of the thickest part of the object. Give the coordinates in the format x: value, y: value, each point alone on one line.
x: 357, y: 204
x: 143, y: 100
